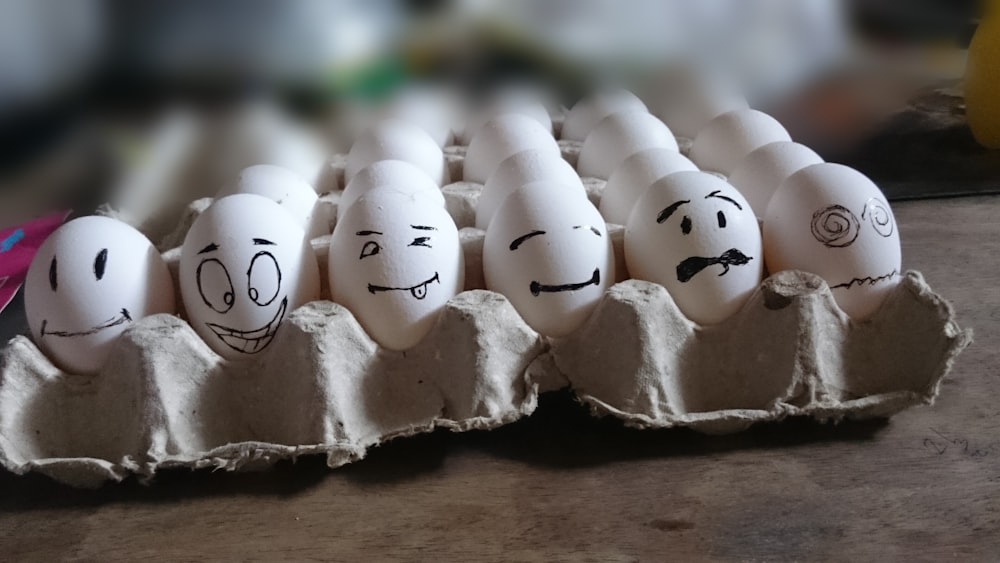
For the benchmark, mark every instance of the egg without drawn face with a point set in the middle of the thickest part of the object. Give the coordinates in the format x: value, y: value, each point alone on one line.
x: 633, y: 176
x: 694, y: 234
x: 619, y: 136
x: 501, y: 137
x: 548, y: 251
x: 518, y: 170
x: 393, y: 139
x: 245, y: 264
x: 831, y: 220
x: 90, y: 280
x: 404, y: 176
x: 589, y: 111
x: 726, y: 140
x: 763, y: 170
x: 284, y: 187
x: 395, y: 261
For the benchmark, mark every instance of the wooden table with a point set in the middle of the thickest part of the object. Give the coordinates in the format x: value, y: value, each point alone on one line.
x: 559, y: 485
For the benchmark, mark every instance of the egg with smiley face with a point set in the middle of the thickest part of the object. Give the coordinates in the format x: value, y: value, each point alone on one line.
x: 245, y: 264
x: 833, y: 221
x: 547, y: 250
x: 89, y: 281
x: 694, y: 234
x: 395, y: 261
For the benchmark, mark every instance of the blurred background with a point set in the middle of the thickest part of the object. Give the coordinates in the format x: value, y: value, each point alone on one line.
x: 102, y: 100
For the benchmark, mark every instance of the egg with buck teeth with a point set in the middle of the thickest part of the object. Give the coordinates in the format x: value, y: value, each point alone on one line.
x: 831, y: 220
x: 548, y: 252
x: 89, y: 281
x: 395, y: 260
x: 694, y: 234
x: 245, y: 265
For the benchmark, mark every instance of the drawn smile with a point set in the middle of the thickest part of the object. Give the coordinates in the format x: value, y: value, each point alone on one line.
x: 868, y: 280
x: 418, y: 291
x: 251, y: 341
x: 122, y: 318
x: 537, y: 288
x: 692, y: 266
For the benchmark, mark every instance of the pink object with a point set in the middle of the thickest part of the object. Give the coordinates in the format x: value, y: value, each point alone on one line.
x: 18, y: 246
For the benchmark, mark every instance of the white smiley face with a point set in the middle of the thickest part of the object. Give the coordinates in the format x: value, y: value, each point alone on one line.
x: 696, y: 235
x: 245, y: 264
x: 395, y: 261
x: 831, y: 220
x: 547, y: 250
x: 90, y: 280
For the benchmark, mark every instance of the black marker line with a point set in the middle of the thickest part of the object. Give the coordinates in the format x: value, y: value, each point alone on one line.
x: 367, y: 233
x: 517, y: 242
x: 865, y: 280
x: 259, y: 241
x: 715, y: 194
x: 669, y: 210
x: 537, y: 288
x: 124, y: 317
x: 692, y: 266
x: 423, y: 227
x: 209, y: 248
x: 100, y: 262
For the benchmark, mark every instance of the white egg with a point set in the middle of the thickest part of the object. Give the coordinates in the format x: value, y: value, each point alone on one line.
x: 245, y: 264
x: 501, y: 137
x: 690, y: 100
x: 284, y: 187
x: 694, y: 234
x: 548, y: 251
x: 89, y: 281
x: 395, y: 261
x: 831, y: 220
x: 393, y: 139
x: 404, y: 176
x: 522, y: 100
x: 430, y: 108
x: 722, y: 144
x: 619, y: 136
x: 589, y: 111
x: 518, y: 170
x: 633, y: 176
x: 763, y: 170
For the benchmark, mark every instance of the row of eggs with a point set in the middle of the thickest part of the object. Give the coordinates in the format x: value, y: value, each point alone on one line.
x: 395, y: 257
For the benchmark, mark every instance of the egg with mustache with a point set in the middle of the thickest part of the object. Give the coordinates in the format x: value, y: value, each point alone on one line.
x: 694, y: 234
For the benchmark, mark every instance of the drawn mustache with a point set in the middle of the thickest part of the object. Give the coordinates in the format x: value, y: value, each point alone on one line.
x: 690, y: 267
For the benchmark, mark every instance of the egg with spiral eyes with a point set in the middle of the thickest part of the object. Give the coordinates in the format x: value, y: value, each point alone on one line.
x: 694, y: 234
x: 831, y: 220
x: 395, y: 260
x: 245, y: 265
x: 89, y: 281
x: 547, y: 250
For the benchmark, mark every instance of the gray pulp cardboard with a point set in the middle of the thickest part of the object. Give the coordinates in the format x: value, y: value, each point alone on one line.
x: 323, y: 387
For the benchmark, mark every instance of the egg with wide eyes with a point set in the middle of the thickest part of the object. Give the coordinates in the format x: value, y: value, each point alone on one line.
x: 245, y: 265
x: 695, y: 235
x: 89, y: 281
x: 547, y: 250
x: 501, y: 137
x: 284, y: 187
x: 394, y: 139
x: 619, y: 136
x: 395, y: 261
x: 833, y: 221
x: 403, y: 176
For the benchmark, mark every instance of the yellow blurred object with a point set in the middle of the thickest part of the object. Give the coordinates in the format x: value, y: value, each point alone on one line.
x: 982, y: 80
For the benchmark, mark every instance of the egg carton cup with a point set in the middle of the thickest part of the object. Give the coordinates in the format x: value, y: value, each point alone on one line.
x: 323, y: 387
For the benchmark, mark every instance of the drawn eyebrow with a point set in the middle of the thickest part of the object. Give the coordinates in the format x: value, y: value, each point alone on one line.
x: 729, y: 199
x: 592, y: 229
x: 423, y: 228
x: 517, y: 242
x: 209, y: 248
x: 669, y: 210
x: 366, y: 233
x: 263, y: 241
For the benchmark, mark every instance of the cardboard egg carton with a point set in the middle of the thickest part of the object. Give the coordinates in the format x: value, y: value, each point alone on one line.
x: 166, y: 400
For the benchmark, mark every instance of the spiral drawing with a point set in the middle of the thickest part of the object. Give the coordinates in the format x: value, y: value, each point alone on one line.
x: 879, y: 216
x: 835, y: 227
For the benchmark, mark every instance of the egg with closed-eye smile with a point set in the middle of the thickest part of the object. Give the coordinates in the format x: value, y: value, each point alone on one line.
x: 697, y: 236
x: 547, y: 250
x: 395, y: 261
x: 245, y: 265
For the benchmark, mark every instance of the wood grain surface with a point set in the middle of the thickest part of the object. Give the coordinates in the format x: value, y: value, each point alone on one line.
x: 561, y: 486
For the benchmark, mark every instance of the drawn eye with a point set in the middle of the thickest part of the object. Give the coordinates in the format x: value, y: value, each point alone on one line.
x: 835, y: 226
x: 686, y: 225
x: 263, y: 279
x: 370, y: 248
x: 215, y: 286
x: 421, y: 241
x: 722, y: 219
x: 53, y: 278
x: 100, y: 261
x: 878, y: 214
